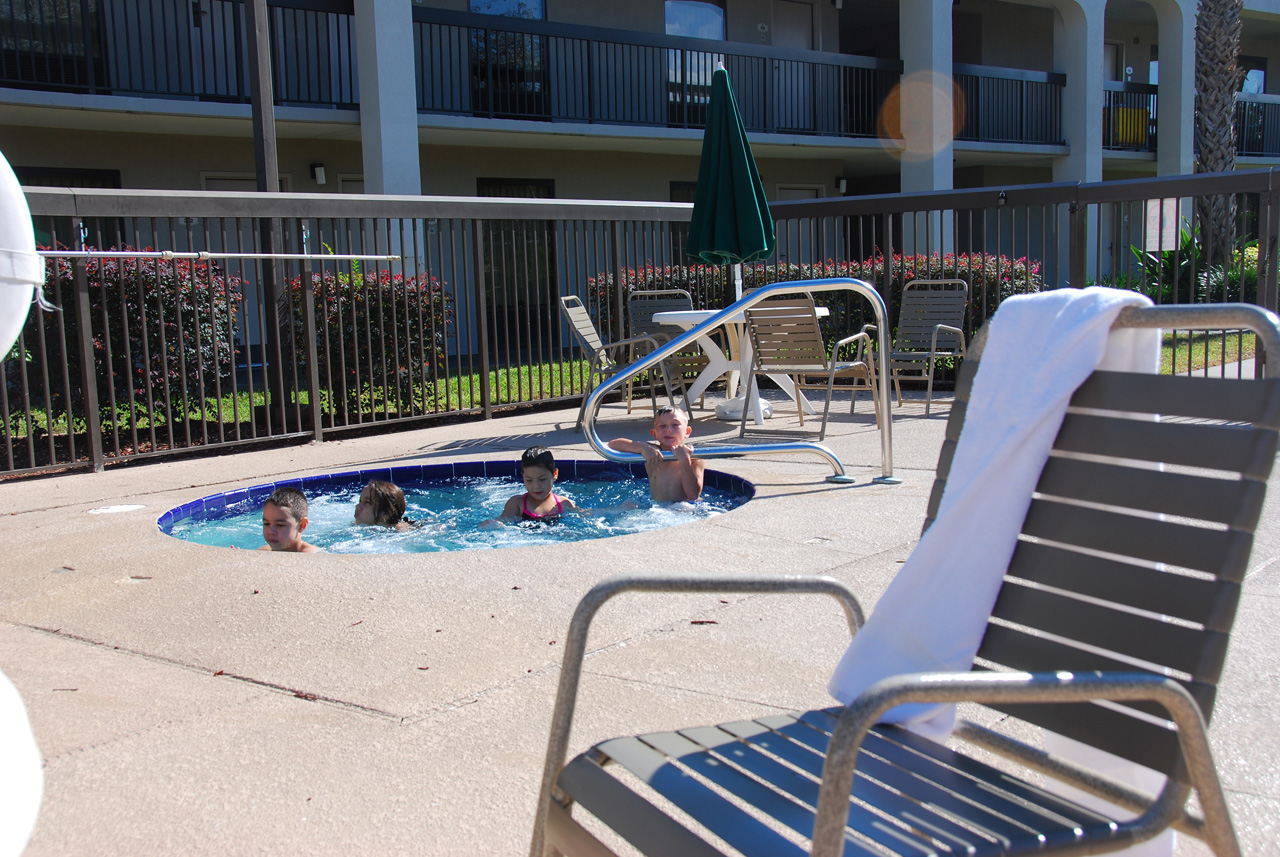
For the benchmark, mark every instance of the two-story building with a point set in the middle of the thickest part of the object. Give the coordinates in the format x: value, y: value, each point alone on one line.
x: 591, y: 99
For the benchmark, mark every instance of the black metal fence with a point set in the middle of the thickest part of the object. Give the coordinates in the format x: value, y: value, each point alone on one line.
x: 159, y: 356
x: 1009, y: 105
x: 180, y: 50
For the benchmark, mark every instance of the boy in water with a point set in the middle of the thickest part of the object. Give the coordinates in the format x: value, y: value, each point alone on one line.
x: 284, y: 517
x: 670, y: 481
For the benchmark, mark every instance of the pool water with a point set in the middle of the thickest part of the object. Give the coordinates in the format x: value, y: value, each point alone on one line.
x: 448, y: 502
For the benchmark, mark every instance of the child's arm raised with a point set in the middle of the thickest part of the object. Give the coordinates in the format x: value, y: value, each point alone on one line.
x: 625, y: 444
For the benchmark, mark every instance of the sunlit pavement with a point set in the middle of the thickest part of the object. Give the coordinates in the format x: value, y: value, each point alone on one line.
x: 193, y: 700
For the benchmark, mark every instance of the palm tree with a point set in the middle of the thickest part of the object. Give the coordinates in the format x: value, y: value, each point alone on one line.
x: 1217, y: 79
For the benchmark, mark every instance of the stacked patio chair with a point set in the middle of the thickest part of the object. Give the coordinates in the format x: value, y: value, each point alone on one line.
x: 606, y: 360
x: 930, y: 326
x: 684, y: 365
x: 786, y: 339
x: 1123, y: 588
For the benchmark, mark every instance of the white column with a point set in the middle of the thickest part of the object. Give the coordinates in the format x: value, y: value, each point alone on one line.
x: 388, y: 98
x: 1078, y: 37
x: 1176, y: 100
x: 927, y: 95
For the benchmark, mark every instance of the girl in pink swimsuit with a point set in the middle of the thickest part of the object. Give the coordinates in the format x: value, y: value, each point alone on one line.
x: 539, y: 502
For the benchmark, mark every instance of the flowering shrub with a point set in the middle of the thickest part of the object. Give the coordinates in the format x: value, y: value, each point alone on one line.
x: 991, y: 279
x: 154, y: 323
x: 378, y: 336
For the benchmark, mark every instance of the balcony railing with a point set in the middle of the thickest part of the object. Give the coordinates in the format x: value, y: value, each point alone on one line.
x: 493, y: 67
x: 1010, y: 105
x: 1129, y: 116
x: 1257, y: 125
x: 177, y: 50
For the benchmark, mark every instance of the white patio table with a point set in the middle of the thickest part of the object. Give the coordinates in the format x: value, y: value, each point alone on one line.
x: 719, y: 363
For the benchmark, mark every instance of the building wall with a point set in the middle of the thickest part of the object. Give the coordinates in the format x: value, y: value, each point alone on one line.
x: 452, y: 171
x: 1015, y: 36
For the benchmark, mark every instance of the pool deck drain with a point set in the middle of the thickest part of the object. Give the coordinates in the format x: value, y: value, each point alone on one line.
x: 195, y: 700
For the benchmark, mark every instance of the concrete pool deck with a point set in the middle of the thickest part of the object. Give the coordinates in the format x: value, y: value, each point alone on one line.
x: 194, y: 700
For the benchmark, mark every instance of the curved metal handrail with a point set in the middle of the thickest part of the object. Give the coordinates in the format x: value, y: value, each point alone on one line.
x: 653, y: 358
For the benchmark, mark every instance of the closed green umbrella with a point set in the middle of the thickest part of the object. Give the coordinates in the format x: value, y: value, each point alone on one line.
x: 731, y: 223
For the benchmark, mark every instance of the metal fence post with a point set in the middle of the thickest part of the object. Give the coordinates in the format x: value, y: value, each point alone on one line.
x: 313, y: 356
x: 1268, y: 262
x: 88, y: 377
x: 615, y: 234
x: 482, y: 303
x: 1077, y: 243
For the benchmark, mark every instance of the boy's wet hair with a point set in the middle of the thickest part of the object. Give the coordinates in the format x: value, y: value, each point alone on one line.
x: 538, y: 456
x: 289, y: 498
x: 671, y: 409
x: 388, y: 502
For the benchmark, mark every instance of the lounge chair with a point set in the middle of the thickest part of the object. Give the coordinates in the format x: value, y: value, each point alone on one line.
x: 786, y: 339
x: 1123, y: 587
x: 607, y: 360
x: 930, y: 326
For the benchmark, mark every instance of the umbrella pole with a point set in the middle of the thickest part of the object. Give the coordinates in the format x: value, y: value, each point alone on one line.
x: 737, y: 282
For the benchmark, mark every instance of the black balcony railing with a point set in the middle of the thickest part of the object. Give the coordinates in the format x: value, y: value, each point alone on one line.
x: 177, y: 50
x: 1009, y: 105
x: 1129, y: 116
x: 480, y: 65
x: 1257, y: 125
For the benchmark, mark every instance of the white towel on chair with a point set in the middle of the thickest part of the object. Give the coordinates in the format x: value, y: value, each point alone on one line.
x: 1039, y: 349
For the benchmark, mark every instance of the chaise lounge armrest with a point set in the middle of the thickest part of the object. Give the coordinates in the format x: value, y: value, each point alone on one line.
x: 579, y: 625
x: 1166, y: 810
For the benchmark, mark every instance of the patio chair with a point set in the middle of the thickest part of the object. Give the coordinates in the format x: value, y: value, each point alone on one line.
x: 930, y: 325
x: 608, y: 360
x: 1123, y: 587
x: 787, y: 340
x: 685, y: 365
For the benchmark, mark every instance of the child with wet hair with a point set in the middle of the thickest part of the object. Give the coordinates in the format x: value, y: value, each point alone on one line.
x: 284, y: 517
x: 382, y: 505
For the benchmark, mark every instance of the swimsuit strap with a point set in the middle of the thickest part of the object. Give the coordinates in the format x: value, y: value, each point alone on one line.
x: 526, y: 513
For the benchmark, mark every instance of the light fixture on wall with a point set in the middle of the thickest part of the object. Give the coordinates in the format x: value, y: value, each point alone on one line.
x: 842, y: 184
x: 317, y: 173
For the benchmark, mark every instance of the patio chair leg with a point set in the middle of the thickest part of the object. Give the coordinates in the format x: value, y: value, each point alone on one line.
x: 928, y: 396
x: 795, y: 379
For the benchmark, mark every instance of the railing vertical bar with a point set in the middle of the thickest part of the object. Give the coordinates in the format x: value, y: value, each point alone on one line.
x: 486, y: 386
x: 313, y: 356
x: 90, y: 387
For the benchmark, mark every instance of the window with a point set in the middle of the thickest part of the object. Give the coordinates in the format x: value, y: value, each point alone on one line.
x: 698, y: 19
x: 510, y: 8
x: 1255, y: 77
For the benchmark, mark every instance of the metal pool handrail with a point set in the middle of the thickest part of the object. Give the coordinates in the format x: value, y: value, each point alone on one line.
x: 653, y: 358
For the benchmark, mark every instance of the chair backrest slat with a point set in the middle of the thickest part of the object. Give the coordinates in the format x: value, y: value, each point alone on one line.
x: 925, y: 305
x: 643, y: 305
x: 786, y: 336
x: 580, y: 320
x: 1161, y: 591
x: 1134, y: 546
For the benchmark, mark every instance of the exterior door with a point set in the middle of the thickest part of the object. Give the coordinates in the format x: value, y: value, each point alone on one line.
x: 791, y: 107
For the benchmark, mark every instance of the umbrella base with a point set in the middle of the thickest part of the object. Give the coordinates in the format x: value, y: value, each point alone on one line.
x: 731, y: 409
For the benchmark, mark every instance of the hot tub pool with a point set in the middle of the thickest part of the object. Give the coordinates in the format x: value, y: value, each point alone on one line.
x: 449, y: 501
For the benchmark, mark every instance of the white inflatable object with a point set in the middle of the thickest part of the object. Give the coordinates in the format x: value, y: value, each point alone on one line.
x: 21, y: 268
x: 21, y: 772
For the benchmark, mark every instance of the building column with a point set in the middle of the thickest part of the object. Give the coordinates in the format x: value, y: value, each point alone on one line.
x: 388, y: 97
x: 1176, y: 100
x: 1078, y: 37
x: 926, y: 95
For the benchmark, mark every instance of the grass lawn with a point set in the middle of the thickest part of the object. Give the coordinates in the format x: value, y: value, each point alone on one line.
x: 1201, y: 349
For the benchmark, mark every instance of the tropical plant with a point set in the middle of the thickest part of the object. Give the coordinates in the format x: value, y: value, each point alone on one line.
x: 1217, y: 77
